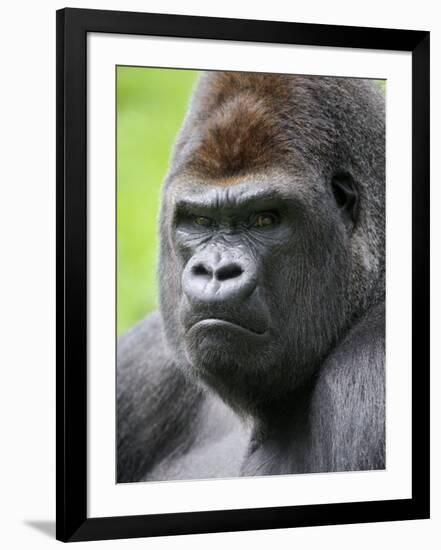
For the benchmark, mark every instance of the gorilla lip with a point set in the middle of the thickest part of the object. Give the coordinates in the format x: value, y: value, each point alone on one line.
x: 220, y: 323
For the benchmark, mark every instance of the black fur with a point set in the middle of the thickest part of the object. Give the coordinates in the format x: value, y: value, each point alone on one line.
x: 301, y: 387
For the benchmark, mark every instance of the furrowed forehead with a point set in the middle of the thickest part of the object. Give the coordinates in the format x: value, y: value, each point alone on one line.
x: 227, y: 199
x: 191, y: 191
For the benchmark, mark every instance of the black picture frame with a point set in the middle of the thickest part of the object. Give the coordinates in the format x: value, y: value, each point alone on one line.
x: 71, y: 386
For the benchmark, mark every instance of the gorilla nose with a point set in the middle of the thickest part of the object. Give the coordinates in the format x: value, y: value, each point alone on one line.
x: 221, y: 273
x: 213, y: 279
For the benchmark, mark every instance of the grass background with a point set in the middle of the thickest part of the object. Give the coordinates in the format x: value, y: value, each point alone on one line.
x: 151, y: 105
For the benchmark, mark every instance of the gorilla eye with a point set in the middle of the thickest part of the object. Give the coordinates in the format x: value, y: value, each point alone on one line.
x: 265, y: 219
x: 202, y: 220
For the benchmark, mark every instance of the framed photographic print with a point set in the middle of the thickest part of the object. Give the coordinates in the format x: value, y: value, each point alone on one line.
x: 242, y: 274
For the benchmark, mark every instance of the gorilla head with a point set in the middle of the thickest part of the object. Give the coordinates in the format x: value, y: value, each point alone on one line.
x: 272, y: 229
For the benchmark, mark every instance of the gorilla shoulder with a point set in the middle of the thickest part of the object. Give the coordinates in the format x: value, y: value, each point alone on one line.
x: 147, y: 385
x: 133, y: 350
x: 336, y: 423
x: 350, y: 394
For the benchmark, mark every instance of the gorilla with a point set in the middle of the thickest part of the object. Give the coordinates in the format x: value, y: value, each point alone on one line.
x: 267, y: 354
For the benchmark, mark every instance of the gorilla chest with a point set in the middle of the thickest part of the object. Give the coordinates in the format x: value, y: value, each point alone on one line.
x: 228, y: 456
x: 222, y: 448
x: 218, y: 450
x: 213, y: 459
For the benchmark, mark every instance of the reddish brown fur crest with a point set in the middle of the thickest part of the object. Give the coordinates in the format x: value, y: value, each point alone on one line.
x: 240, y: 125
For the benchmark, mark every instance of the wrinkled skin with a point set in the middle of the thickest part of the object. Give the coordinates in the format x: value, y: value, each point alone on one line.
x: 268, y: 353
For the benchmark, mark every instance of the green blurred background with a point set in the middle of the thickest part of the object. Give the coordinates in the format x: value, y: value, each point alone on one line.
x: 151, y: 105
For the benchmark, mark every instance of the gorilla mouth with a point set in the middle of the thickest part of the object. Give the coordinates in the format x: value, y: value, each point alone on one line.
x: 214, y: 323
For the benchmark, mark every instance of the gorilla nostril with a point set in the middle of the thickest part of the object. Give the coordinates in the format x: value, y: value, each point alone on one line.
x: 228, y: 272
x: 200, y: 269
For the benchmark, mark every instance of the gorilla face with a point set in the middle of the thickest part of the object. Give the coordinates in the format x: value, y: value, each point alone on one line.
x: 263, y: 268
x: 272, y: 229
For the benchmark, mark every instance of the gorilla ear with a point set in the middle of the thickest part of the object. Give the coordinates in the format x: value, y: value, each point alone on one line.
x: 346, y: 196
